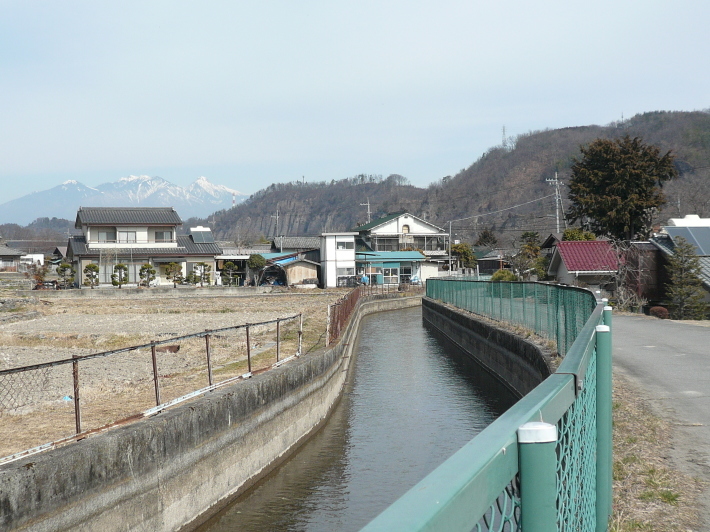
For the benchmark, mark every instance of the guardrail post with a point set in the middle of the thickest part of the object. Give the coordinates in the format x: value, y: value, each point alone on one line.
x: 77, y: 407
x: 278, y: 339
x: 604, y: 427
x: 538, y: 476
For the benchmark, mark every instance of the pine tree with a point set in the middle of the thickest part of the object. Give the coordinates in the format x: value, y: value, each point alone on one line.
x: 685, y: 290
x: 616, y: 186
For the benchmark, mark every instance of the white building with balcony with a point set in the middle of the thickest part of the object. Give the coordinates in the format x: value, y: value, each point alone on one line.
x: 136, y: 236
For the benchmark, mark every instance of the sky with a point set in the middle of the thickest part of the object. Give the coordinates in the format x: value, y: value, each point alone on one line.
x: 248, y: 94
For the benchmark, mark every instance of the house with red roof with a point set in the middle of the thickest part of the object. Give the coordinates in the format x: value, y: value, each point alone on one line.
x: 591, y: 263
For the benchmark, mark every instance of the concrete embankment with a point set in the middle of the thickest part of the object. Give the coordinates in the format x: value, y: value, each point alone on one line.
x: 519, y: 364
x: 172, y: 470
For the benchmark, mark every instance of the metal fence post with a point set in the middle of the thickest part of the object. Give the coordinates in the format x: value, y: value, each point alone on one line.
x: 209, y: 358
x: 278, y: 336
x: 155, y: 374
x: 607, y: 316
x: 327, y: 328
x: 248, y: 351
x: 604, y: 427
x: 300, y: 334
x: 538, y: 476
x: 77, y: 407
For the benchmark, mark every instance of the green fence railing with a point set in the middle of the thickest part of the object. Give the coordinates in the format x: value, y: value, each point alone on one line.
x: 545, y: 464
x: 552, y: 311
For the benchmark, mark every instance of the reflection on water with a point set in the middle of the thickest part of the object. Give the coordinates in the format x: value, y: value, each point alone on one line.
x: 413, y: 400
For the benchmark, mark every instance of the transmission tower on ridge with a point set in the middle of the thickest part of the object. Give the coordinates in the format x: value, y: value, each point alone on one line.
x: 368, y: 209
x: 558, y: 200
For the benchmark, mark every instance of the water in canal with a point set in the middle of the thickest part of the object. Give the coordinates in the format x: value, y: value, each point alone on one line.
x: 412, y: 401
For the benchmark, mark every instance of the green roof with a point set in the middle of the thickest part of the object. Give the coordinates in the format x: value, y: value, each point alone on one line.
x: 378, y: 222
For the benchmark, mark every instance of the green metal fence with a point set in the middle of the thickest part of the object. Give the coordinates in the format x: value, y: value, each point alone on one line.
x: 552, y: 311
x: 502, y: 480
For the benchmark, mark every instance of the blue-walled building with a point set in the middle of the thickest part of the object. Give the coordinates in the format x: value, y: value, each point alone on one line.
x: 390, y: 267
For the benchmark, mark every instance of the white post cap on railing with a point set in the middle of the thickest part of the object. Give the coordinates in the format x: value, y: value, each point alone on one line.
x: 608, y: 308
x: 603, y: 328
x: 537, y: 432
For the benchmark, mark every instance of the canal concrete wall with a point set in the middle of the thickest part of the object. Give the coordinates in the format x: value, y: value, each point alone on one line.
x: 518, y: 363
x: 175, y: 469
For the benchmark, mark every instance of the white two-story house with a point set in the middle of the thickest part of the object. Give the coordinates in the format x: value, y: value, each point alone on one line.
x: 404, y: 232
x: 337, y: 256
x: 136, y: 236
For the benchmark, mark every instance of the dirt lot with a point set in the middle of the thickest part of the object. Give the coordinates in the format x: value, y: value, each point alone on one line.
x: 37, y: 407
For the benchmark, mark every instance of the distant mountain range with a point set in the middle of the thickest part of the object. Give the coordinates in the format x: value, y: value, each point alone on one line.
x: 199, y: 199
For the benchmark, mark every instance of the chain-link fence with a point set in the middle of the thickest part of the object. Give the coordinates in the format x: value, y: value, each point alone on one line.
x: 551, y: 311
x: 481, y: 486
x: 63, y: 398
x: 339, y: 312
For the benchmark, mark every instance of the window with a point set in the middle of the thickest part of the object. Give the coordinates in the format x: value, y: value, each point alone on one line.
x: 345, y: 245
x: 390, y: 275
x: 405, y: 274
x: 405, y: 229
x: 107, y: 235
x: 127, y: 237
x: 387, y: 244
x: 345, y: 271
x: 163, y: 236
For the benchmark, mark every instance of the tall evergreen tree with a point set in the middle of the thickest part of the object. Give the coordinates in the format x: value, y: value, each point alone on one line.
x: 616, y: 186
x: 685, y: 290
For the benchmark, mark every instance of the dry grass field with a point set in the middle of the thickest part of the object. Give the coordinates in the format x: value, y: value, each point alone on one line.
x: 112, y: 388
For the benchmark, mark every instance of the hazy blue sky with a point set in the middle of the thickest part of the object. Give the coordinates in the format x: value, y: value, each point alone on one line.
x: 250, y: 94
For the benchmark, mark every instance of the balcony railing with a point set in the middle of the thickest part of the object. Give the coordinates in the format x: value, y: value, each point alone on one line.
x: 132, y: 241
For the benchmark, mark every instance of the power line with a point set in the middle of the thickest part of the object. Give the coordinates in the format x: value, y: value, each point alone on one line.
x: 503, y: 210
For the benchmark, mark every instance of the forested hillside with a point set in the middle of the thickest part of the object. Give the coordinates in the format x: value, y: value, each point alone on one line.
x: 505, y: 189
x: 507, y: 175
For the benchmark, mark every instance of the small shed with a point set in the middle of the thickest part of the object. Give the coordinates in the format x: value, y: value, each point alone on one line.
x: 591, y: 263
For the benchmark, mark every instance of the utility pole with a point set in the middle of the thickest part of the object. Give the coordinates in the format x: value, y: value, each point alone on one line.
x: 368, y: 209
x: 450, y: 249
x: 558, y: 199
x: 276, y: 230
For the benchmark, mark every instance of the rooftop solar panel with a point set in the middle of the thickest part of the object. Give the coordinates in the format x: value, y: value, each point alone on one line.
x: 698, y: 236
x: 202, y: 237
x: 702, y: 239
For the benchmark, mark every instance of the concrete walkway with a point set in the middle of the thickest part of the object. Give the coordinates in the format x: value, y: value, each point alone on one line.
x: 670, y: 363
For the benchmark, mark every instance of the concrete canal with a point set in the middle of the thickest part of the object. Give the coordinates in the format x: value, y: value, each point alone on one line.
x: 412, y: 400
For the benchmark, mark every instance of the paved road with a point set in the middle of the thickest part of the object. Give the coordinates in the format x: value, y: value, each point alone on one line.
x: 670, y: 363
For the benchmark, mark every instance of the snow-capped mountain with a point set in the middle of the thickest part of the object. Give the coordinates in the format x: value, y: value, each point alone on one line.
x: 200, y: 198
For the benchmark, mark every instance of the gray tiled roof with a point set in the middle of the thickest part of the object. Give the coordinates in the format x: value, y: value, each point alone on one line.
x: 705, y: 270
x: 185, y: 247
x: 6, y: 251
x: 297, y: 242
x: 666, y: 245
x: 127, y: 216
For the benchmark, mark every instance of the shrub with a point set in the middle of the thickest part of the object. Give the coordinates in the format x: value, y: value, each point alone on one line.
x: 504, y: 275
x: 659, y: 312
